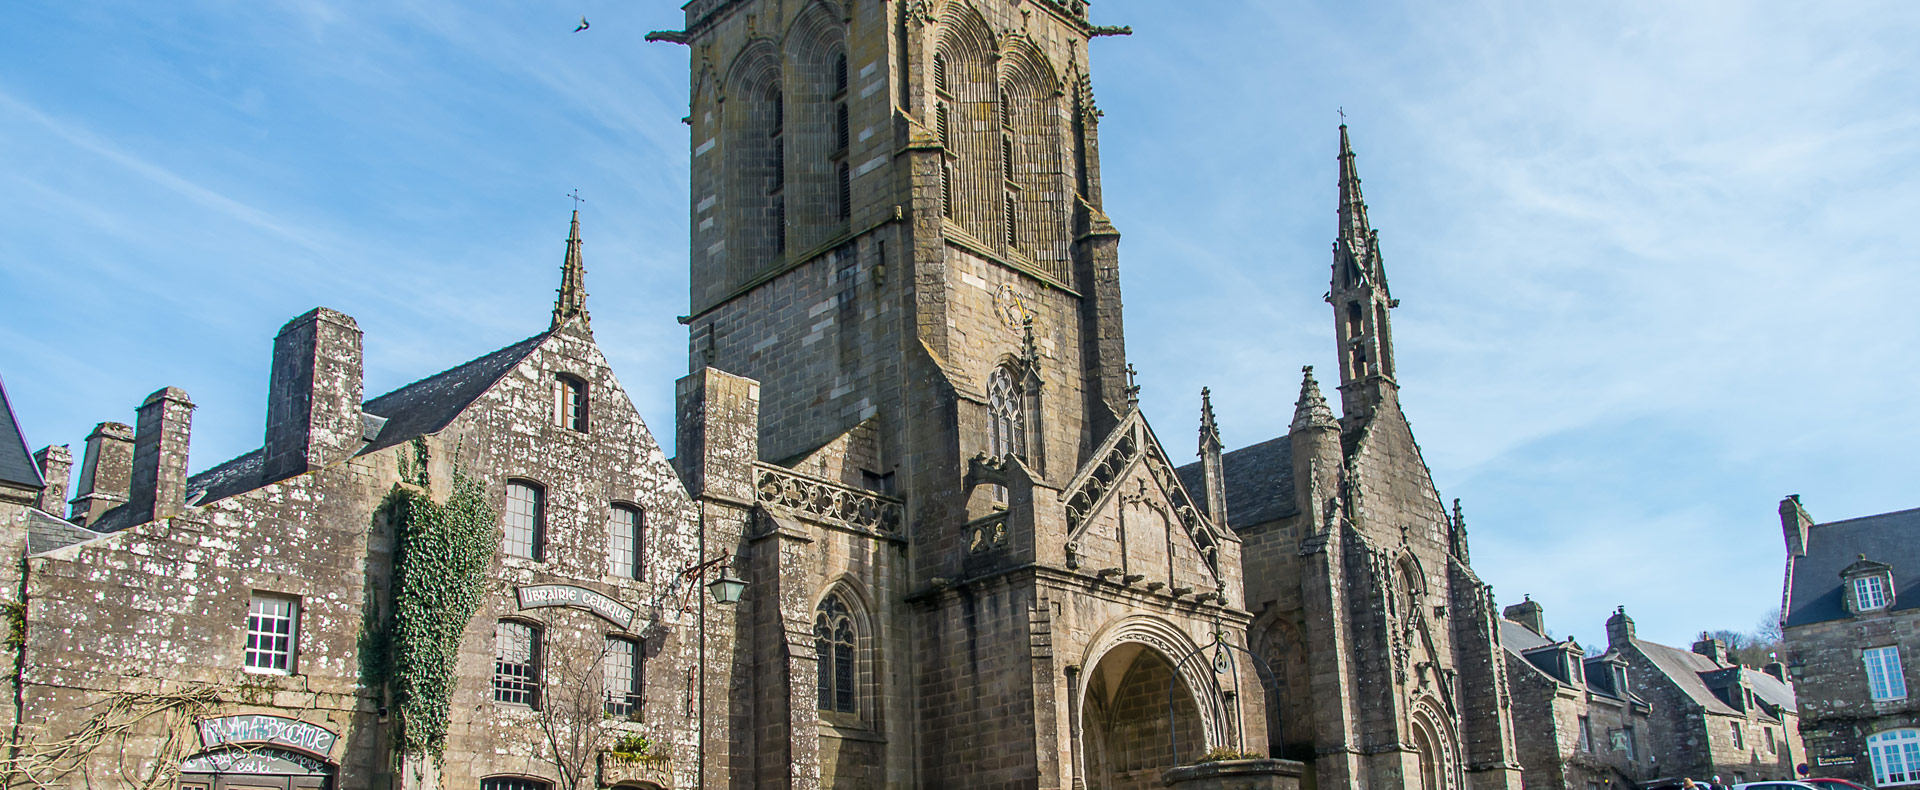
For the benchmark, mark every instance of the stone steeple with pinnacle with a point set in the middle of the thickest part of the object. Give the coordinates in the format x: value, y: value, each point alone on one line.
x: 1360, y: 302
x: 1213, y: 471
x: 572, y: 301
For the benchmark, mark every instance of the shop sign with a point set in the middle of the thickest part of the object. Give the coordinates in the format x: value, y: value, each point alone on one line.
x: 540, y: 596
x: 260, y: 760
x: 260, y: 728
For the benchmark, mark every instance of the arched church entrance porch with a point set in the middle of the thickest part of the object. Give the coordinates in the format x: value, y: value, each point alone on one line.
x: 1129, y: 733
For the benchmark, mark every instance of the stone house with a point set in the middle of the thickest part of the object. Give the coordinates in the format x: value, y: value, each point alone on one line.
x: 1850, y: 634
x: 1709, y: 716
x: 1584, y: 727
x: 230, y: 628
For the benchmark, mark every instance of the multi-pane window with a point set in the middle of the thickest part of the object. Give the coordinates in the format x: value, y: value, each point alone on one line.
x: 273, y: 627
x: 526, y: 520
x: 1895, y: 755
x: 1586, y: 734
x: 570, y: 403
x: 1884, y: 678
x: 516, y: 663
x: 1869, y: 593
x: 1738, y: 741
x: 620, y: 671
x: 513, y: 783
x: 624, y: 530
x: 833, y: 639
x: 1632, y: 745
x: 1771, y: 746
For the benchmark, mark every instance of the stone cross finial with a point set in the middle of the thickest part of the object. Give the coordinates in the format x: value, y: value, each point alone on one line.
x: 1133, y: 385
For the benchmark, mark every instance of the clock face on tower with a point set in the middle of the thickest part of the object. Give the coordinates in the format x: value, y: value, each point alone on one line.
x: 1010, y: 307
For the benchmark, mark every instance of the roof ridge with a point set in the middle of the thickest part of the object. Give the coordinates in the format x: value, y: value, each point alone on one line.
x: 1866, y: 517
x: 425, y: 379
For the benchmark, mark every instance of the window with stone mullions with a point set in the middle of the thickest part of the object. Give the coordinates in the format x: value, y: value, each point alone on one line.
x: 620, y: 671
x: 516, y: 663
x: 272, y: 633
x: 624, y: 533
x: 1009, y: 204
x: 833, y: 640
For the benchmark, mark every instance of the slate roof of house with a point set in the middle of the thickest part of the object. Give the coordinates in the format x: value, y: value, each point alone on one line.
x: 1817, y: 595
x: 1685, y: 667
x: 1259, y: 483
x: 417, y: 409
x: 1519, y: 638
x: 46, y: 532
x: 16, y: 464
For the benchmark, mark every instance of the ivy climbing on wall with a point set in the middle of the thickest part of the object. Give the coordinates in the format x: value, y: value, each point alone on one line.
x: 439, y: 584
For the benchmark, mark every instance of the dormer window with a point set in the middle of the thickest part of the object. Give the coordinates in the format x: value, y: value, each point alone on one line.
x: 1869, y: 594
x: 1869, y: 586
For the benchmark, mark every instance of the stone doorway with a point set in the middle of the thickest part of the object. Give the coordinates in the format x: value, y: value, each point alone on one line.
x: 1127, y: 729
x: 1435, y: 755
x: 254, y: 768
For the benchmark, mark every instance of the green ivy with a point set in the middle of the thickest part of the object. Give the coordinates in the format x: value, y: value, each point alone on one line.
x: 439, y: 584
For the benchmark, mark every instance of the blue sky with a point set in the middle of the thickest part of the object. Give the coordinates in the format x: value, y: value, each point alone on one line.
x: 1655, y: 259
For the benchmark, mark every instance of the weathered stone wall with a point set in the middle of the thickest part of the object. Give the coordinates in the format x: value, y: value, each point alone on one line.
x: 1837, y: 709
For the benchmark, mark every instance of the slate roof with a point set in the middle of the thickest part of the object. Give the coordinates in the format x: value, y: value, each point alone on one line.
x: 46, y: 532
x: 1259, y: 483
x: 1519, y: 638
x: 16, y: 464
x: 1817, y: 595
x: 417, y: 409
x: 1684, y: 668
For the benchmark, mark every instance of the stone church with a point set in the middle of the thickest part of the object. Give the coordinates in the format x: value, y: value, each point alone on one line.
x: 909, y: 427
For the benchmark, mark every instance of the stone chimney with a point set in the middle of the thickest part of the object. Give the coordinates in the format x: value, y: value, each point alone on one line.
x: 1794, y: 522
x: 313, y: 397
x: 1529, y: 614
x: 1777, y: 670
x: 1619, y: 629
x: 56, y: 468
x: 160, y: 456
x: 106, y: 473
x: 1711, y: 648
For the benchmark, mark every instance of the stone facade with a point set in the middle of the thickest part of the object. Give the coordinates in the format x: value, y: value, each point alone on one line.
x: 137, y: 618
x: 1710, y: 717
x: 908, y: 425
x: 1850, y: 636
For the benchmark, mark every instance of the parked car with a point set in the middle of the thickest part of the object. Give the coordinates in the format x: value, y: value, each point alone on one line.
x: 1836, y: 784
x: 1780, y: 785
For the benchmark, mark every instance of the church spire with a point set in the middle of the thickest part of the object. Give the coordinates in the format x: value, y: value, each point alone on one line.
x: 1360, y: 300
x: 1311, y: 411
x: 1212, y: 463
x: 572, y: 301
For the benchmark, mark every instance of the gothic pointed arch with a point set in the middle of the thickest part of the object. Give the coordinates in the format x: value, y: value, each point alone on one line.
x: 843, y: 642
x: 1031, y: 121
x: 1437, y: 758
x: 819, y: 124
x: 963, y: 105
x: 754, y: 150
x: 1281, y: 642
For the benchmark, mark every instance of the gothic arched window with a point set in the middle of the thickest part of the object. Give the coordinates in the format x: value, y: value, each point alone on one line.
x: 1009, y: 429
x: 833, y: 640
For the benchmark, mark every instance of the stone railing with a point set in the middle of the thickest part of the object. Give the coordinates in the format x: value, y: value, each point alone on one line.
x: 825, y: 501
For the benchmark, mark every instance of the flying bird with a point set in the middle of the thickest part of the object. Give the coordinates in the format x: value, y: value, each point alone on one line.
x: 583, y: 25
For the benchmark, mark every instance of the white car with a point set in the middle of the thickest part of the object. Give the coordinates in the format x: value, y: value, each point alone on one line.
x: 1780, y: 785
